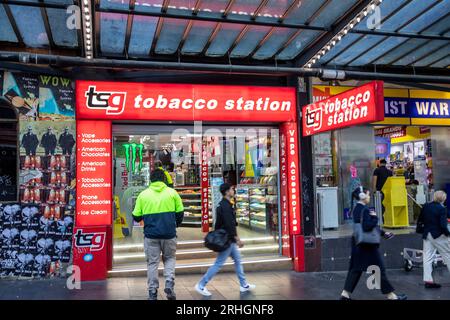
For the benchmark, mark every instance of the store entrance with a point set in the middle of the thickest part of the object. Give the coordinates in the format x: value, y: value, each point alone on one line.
x: 349, y: 158
x: 246, y: 157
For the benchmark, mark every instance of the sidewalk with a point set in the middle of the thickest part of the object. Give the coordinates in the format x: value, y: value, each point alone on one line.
x: 270, y: 286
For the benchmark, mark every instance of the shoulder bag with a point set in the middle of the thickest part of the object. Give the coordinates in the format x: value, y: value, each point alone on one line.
x: 361, y: 236
x: 217, y: 240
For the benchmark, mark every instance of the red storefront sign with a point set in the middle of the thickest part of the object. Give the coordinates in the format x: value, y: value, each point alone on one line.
x: 186, y: 102
x: 94, y: 177
x: 290, y: 133
x: 90, y: 252
x: 284, y: 203
x: 361, y: 105
x: 204, y: 185
x: 100, y: 103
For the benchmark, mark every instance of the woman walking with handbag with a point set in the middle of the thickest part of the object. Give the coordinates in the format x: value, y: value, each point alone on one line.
x: 365, y: 247
x: 226, y: 221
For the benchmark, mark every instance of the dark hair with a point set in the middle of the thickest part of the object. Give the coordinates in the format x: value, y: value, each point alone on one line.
x: 158, y: 175
x: 357, y: 191
x: 383, y: 161
x: 224, y: 188
x: 158, y: 163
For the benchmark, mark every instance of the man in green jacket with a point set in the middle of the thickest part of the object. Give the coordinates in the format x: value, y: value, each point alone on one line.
x: 162, y: 210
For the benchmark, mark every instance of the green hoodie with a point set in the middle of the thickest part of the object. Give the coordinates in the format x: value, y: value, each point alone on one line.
x: 161, y: 209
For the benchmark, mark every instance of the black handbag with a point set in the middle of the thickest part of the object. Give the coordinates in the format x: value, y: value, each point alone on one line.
x: 217, y: 240
x: 368, y: 237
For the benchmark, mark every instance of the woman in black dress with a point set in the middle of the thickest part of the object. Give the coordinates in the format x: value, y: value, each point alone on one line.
x: 365, y: 255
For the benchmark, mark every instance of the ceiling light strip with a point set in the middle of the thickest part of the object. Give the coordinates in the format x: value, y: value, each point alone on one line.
x: 86, y: 14
x: 344, y: 31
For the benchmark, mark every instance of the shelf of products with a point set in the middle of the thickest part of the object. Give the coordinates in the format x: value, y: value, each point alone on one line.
x: 191, y: 197
x: 258, y: 208
x: 254, y: 205
x: 242, y: 205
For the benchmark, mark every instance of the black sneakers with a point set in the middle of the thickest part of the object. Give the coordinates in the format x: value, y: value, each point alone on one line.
x: 402, y: 296
x: 170, y: 291
x: 153, y: 295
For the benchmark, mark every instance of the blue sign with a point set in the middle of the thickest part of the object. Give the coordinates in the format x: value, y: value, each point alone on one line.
x: 416, y: 108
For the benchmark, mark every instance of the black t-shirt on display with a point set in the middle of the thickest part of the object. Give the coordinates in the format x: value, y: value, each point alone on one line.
x: 382, y: 173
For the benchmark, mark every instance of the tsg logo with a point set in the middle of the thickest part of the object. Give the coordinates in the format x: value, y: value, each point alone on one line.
x: 314, y: 117
x: 112, y: 102
x: 94, y: 241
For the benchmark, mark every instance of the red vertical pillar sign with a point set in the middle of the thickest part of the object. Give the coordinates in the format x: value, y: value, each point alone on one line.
x: 291, y: 183
x: 91, y: 241
x: 204, y: 184
x: 284, y: 203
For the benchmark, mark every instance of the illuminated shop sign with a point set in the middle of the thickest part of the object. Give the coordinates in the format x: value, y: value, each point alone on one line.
x: 94, y: 173
x: 353, y: 107
x: 184, y: 102
x: 417, y: 108
x: 403, y: 106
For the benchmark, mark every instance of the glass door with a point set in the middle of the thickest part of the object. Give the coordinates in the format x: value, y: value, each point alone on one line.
x: 246, y: 157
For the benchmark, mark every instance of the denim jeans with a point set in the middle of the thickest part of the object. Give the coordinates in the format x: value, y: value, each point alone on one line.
x: 222, y: 257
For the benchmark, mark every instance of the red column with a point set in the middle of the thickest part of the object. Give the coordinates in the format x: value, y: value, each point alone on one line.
x: 92, y: 241
x: 291, y: 191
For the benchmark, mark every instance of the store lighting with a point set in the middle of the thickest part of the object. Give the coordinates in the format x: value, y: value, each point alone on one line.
x: 344, y: 31
x: 87, y: 18
x: 200, y: 265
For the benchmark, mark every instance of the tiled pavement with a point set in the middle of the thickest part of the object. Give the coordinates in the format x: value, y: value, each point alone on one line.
x: 284, y: 285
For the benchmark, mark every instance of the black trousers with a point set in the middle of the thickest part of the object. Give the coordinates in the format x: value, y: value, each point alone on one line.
x: 353, y: 277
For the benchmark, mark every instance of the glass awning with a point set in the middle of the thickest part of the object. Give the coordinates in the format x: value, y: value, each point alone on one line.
x: 250, y: 31
x: 417, y: 19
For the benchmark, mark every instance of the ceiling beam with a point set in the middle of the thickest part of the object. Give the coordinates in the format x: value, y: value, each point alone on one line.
x: 406, y: 75
x: 403, y: 43
x: 403, y: 25
x: 130, y: 19
x: 439, y: 60
x: 428, y: 53
x: 414, y: 49
x: 276, y: 23
x: 216, y: 30
x: 315, y: 47
x: 384, y: 19
x: 158, y: 26
x: 189, y: 26
x: 13, y: 23
x: 48, y: 30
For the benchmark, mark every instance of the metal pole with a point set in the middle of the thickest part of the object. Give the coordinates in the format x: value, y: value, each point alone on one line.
x: 379, y: 207
x: 319, y: 214
x: 326, y: 74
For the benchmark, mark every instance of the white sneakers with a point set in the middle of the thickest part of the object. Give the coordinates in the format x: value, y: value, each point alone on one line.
x: 204, y: 292
x: 249, y: 287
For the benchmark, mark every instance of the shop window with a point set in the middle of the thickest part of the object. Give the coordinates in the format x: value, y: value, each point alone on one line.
x: 8, y: 153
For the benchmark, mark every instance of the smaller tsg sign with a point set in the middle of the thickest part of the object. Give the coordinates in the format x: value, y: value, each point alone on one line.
x: 361, y: 105
x: 416, y: 108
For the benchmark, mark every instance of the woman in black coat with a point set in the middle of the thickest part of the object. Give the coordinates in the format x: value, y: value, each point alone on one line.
x: 365, y: 255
